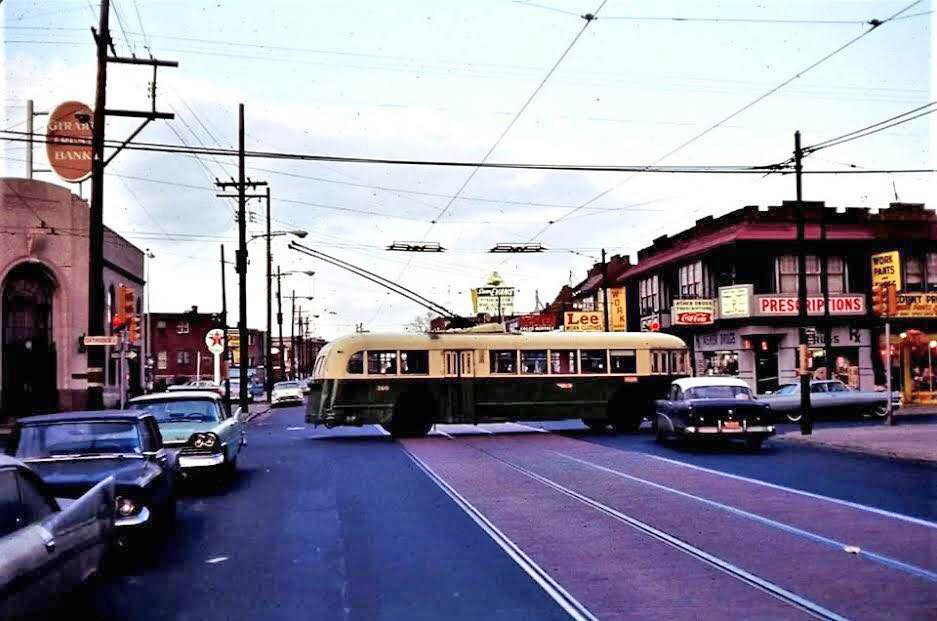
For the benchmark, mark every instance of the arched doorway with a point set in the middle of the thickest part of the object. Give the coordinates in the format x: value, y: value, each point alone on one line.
x: 29, y: 378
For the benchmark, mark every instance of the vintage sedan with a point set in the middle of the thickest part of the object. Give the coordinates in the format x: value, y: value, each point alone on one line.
x: 46, y: 550
x: 828, y: 398
x: 74, y: 451
x: 197, y: 426
x: 286, y: 392
x: 712, y: 407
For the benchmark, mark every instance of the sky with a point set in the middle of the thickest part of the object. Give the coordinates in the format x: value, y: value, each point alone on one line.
x: 443, y: 80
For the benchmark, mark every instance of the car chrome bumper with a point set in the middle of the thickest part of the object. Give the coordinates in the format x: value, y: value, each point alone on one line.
x: 201, y: 461
x: 723, y: 431
x: 134, y: 520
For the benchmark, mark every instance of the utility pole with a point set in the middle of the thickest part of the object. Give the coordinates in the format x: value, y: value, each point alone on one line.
x: 96, y: 360
x: 806, y: 422
x: 224, y: 326
x: 604, y: 291
x: 293, y: 337
x: 282, y: 348
x: 268, y: 381
x: 825, y: 291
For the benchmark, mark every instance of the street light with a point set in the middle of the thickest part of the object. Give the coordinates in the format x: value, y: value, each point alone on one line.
x: 297, y: 232
x: 280, y: 322
x: 147, y: 345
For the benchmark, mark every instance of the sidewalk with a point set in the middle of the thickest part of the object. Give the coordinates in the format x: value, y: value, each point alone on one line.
x: 914, y: 442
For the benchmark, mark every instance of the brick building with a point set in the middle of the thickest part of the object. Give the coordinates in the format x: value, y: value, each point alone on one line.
x: 178, y: 343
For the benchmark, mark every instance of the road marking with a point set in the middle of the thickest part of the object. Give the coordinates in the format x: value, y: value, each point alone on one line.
x: 839, y: 545
x: 381, y: 429
x: 838, y: 501
x: 567, y: 602
x: 295, y: 428
x: 751, y: 579
x: 217, y: 559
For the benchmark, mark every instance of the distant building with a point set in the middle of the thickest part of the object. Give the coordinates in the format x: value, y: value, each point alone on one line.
x: 178, y: 348
x: 44, y: 298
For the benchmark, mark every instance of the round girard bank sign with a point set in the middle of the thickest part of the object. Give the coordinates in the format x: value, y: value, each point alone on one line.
x: 68, y: 141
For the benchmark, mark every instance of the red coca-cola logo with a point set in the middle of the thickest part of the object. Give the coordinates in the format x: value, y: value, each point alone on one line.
x: 694, y: 317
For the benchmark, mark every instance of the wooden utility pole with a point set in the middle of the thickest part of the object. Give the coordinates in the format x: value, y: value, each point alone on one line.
x: 268, y: 361
x: 282, y: 347
x: 604, y: 291
x: 293, y: 337
x: 96, y: 308
x: 224, y: 326
x: 806, y: 422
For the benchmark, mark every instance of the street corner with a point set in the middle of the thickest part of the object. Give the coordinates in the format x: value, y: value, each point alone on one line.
x: 909, y: 442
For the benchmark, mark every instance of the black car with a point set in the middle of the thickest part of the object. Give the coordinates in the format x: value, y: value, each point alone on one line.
x: 73, y: 451
x: 712, y: 408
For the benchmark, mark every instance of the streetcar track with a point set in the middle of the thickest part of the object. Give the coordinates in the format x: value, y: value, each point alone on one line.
x: 768, y: 587
x: 563, y: 598
x: 879, y: 558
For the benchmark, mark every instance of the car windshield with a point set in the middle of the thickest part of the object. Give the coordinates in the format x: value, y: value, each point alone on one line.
x: 287, y: 385
x: 78, y: 439
x: 180, y: 410
x: 719, y: 392
x: 788, y: 389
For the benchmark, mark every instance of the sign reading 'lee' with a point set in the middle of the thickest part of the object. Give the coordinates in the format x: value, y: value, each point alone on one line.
x: 582, y: 322
x: 68, y: 141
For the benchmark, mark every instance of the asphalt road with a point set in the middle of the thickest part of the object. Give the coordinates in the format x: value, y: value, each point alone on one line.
x: 348, y: 524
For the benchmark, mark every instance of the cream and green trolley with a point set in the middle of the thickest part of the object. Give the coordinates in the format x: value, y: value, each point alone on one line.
x: 409, y: 382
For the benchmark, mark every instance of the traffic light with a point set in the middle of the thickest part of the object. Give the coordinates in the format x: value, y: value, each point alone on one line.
x: 891, y: 299
x: 126, y: 310
x: 879, y: 300
x: 133, y: 329
x: 803, y: 355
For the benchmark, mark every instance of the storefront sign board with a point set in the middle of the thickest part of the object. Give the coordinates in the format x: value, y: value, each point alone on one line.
x: 786, y: 305
x: 617, y: 311
x: 735, y: 301
x: 916, y: 305
x: 583, y: 321
x: 886, y: 269
x: 693, y: 312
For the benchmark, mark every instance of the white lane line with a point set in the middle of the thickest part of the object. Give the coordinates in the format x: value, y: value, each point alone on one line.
x: 561, y: 596
x: 838, y: 545
x: 382, y: 430
x: 838, y: 501
x: 216, y: 560
x: 735, y: 571
x: 295, y: 428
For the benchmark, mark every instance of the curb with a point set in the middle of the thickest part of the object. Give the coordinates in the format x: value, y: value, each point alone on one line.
x: 857, y: 450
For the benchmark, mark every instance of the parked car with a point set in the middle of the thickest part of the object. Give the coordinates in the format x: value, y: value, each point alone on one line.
x: 197, y: 427
x: 712, y: 407
x: 306, y: 384
x: 828, y: 398
x: 73, y: 451
x: 236, y: 390
x: 199, y: 385
x: 47, y: 550
x: 256, y: 388
x: 286, y: 392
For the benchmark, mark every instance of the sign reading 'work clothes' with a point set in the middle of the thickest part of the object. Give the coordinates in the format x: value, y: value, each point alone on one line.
x: 780, y: 305
x: 886, y: 269
x: 590, y: 321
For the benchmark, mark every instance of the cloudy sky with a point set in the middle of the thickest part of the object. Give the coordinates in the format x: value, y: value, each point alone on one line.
x: 443, y: 80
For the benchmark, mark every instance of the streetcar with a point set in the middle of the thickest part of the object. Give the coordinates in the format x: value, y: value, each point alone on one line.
x: 409, y: 382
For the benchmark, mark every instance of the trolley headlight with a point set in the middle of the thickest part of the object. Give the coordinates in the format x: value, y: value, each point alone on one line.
x: 125, y: 506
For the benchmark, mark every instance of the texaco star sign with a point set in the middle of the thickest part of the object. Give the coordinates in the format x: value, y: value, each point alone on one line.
x: 214, y: 340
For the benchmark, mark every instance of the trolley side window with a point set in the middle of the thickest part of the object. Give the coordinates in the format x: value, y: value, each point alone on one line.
x: 562, y: 361
x: 623, y: 360
x: 382, y: 363
x: 593, y: 361
x: 534, y: 362
x: 414, y: 362
x: 356, y: 363
x: 503, y: 361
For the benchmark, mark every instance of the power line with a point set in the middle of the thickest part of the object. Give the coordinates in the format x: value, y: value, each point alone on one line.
x: 874, y: 24
x: 874, y: 128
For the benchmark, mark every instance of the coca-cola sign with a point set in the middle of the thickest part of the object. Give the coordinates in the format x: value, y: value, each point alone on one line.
x: 693, y: 312
x: 694, y: 318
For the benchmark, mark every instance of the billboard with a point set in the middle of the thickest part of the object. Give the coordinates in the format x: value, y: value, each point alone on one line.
x: 693, y: 312
x: 588, y: 321
x: 617, y: 309
x: 886, y: 269
x: 495, y: 301
x: 536, y: 323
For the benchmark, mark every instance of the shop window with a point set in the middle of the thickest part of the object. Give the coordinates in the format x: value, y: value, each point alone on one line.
x: 182, y: 327
x: 382, y: 363
x: 913, y: 274
x: 504, y: 361
x: 356, y: 363
x: 414, y: 362
x: 162, y: 360
x: 623, y: 361
x: 593, y: 361
x: 835, y: 277
x: 183, y: 357
x: 563, y: 361
x: 930, y: 261
x: 720, y: 363
x: 534, y: 362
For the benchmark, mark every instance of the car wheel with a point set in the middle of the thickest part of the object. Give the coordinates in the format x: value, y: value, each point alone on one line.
x: 794, y: 416
x: 879, y: 411
x: 659, y: 434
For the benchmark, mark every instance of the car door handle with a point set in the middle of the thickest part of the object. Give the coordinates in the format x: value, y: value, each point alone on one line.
x: 50, y: 545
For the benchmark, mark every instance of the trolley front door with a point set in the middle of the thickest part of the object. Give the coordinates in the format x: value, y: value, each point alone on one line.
x: 460, y: 374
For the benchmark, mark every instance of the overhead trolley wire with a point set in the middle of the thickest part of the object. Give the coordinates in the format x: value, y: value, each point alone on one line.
x: 868, y: 130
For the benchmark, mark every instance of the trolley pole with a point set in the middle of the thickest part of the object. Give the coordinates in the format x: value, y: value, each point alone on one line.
x: 604, y: 291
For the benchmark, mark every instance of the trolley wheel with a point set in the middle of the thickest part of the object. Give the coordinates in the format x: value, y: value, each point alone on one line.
x: 412, y: 417
x: 626, y: 412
